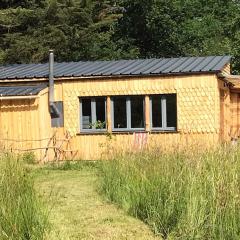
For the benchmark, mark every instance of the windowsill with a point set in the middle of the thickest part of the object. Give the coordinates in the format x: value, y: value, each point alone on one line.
x: 164, y: 131
x: 127, y: 132
x: 93, y: 133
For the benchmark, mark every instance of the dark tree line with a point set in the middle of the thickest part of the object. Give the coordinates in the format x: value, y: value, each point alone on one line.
x: 111, y: 29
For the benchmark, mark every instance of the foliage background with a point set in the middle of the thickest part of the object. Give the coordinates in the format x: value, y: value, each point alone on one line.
x: 123, y: 29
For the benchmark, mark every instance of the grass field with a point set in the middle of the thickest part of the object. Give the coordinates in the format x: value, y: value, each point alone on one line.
x: 181, y: 195
x: 79, y: 212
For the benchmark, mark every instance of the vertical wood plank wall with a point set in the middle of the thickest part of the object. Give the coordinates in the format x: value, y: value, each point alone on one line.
x: 235, y: 116
x: 19, y: 123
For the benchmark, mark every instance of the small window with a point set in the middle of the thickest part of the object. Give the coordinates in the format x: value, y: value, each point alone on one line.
x: 120, y: 112
x: 86, y: 113
x: 171, y: 111
x: 137, y: 113
x: 163, y: 112
x: 128, y: 113
x: 156, y: 112
x: 93, y: 114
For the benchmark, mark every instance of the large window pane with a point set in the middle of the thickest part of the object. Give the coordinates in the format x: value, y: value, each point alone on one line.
x: 86, y: 113
x: 156, y: 112
x: 120, y: 116
x: 171, y: 110
x: 137, y: 114
x: 100, y: 113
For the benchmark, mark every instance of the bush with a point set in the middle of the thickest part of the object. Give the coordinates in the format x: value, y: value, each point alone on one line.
x: 22, y: 214
x: 29, y: 158
x: 187, y: 195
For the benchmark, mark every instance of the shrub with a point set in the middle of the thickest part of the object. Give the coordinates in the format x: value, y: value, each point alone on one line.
x: 29, y: 158
x: 185, y: 195
x: 22, y: 214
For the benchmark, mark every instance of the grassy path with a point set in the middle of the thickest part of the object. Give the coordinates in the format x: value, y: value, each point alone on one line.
x: 80, y: 213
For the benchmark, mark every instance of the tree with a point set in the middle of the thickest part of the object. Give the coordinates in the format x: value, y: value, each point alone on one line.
x: 111, y: 29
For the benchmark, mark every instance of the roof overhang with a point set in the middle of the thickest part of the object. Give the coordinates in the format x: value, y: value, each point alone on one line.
x: 85, y: 78
x: 233, y: 81
x: 21, y: 91
x: 18, y: 97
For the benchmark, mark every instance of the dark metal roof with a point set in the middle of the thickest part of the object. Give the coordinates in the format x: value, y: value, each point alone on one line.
x: 21, y: 90
x: 160, y: 66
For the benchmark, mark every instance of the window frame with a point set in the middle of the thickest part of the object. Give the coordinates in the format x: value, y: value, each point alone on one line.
x: 128, y: 114
x: 93, y: 114
x: 163, y: 113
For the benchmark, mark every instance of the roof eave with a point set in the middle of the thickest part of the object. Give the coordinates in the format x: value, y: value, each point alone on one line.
x: 18, y: 97
x: 59, y: 78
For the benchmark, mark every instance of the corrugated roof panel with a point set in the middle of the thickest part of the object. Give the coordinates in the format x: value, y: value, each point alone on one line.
x: 115, y: 68
x: 181, y: 67
x: 158, y: 64
x: 61, y: 69
x: 221, y: 64
x: 178, y: 62
x: 132, y: 65
x: 103, y: 68
x: 21, y: 90
x: 146, y: 67
x: 165, y: 65
x: 87, y: 71
x: 193, y: 64
x: 24, y: 70
x: 127, y: 69
x: 210, y: 64
x: 138, y: 68
x: 206, y: 64
x: 80, y: 68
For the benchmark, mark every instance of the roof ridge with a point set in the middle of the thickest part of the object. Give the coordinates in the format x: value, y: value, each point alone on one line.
x: 114, y: 60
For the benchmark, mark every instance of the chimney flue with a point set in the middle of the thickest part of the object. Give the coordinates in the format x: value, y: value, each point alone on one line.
x: 51, y: 80
x: 52, y: 106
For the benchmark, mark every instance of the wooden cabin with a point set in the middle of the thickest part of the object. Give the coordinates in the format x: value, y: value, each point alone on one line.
x: 88, y: 110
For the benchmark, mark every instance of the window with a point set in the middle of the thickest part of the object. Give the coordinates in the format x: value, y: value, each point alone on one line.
x: 163, y: 112
x: 128, y: 113
x: 93, y: 114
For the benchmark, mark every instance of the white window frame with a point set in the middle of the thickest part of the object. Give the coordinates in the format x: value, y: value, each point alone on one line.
x: 93, y: 115
x: 164, y: 114
x: 128, y: 114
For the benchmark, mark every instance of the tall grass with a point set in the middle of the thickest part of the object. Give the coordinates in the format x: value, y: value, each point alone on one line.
x: 22, y: 214
x: 183, y: 195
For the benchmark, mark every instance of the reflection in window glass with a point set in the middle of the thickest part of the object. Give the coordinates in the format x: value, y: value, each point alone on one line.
x: 156, y: 112
x: 100, y: 114
x: 171, y: 110
x: 86, y: 113
x: 137, y: 114
x: 120, y: 115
